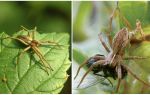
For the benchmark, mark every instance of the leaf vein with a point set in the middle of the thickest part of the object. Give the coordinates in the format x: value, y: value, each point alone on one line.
x: 30, y: 69
x: 52, y: 75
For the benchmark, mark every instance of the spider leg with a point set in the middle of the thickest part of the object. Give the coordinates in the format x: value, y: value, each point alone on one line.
x: 27, y: 30
x: 33, y: 33
x: 110, y: 27
x: 125, y: 86
x: 42, y: 58
x: 84, y: 63
x: 134, y: 57
x: 119, y: 73
x: 40, y: 54
x: 143, y: 89
x: 24, y: 28
x: 118, y: 85
x: 16, y: 39
x: 103, y: 43
x: 38, y: 51
x: 135, y: 76
x: 110, y: 23
x: 26, y: 49
x: 90, y: 69
x: 50, y: 43
x: 125, y: 21
x: 42, y: 61
x: 128, y: 25
x: 112, y: 58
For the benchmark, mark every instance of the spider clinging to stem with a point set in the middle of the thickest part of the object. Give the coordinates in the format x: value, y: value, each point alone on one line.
x: 31, y: 43
x: 114, y: 59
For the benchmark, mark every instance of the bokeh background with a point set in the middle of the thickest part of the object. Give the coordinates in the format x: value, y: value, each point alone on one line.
x: 47, y: 16
x: 91, y: 18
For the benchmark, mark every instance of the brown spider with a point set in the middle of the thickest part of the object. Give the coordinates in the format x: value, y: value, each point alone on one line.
x: 29, y: 41
x: 112, y: 64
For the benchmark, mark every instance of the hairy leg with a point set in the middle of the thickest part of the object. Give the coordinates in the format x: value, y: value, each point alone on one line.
x: 90, y: 69
x: 26, y: 49
x: 125, y: 21
x: 98, y: 57
x: 135, y: 76
x: 42, y: 62
x: 30, y: 34
x: 16, y: 39
x: 84, y: 63
x: 27, y: 30
x: 33, y: 33
x: 134, y: 57
x: 110, y: 27
x: 42, y: 59
x: 119, y: 72
x: 50, y: 43
x: 103, y: 43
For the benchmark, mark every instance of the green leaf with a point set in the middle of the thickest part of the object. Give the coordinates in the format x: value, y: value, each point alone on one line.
x: 142, y: 49
x: 133, y: 11
x: 78, y: 56
x: 3, y: 35
x: 84, y: 10
x: 28, y: 76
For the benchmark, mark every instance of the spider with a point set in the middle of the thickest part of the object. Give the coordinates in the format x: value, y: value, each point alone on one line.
x: 31, y: 43
x: 112, y: 64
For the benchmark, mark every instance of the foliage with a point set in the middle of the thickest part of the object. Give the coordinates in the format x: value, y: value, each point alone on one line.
x: 47, y: 16
x: 28, y: 76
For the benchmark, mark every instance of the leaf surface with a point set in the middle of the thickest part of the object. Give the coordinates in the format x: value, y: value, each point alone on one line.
x: 29, y: 76
x: 133, y: 11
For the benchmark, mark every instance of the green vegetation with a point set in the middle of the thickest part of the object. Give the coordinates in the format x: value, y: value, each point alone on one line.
x: 53, y: 22
x: 97, y: 20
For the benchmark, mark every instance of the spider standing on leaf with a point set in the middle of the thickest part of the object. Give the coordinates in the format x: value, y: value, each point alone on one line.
x: 112, y: 64
x: 31, y: 43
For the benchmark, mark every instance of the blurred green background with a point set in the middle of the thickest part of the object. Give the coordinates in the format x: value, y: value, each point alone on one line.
x: 91, y: 18
x: 47, y: 16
